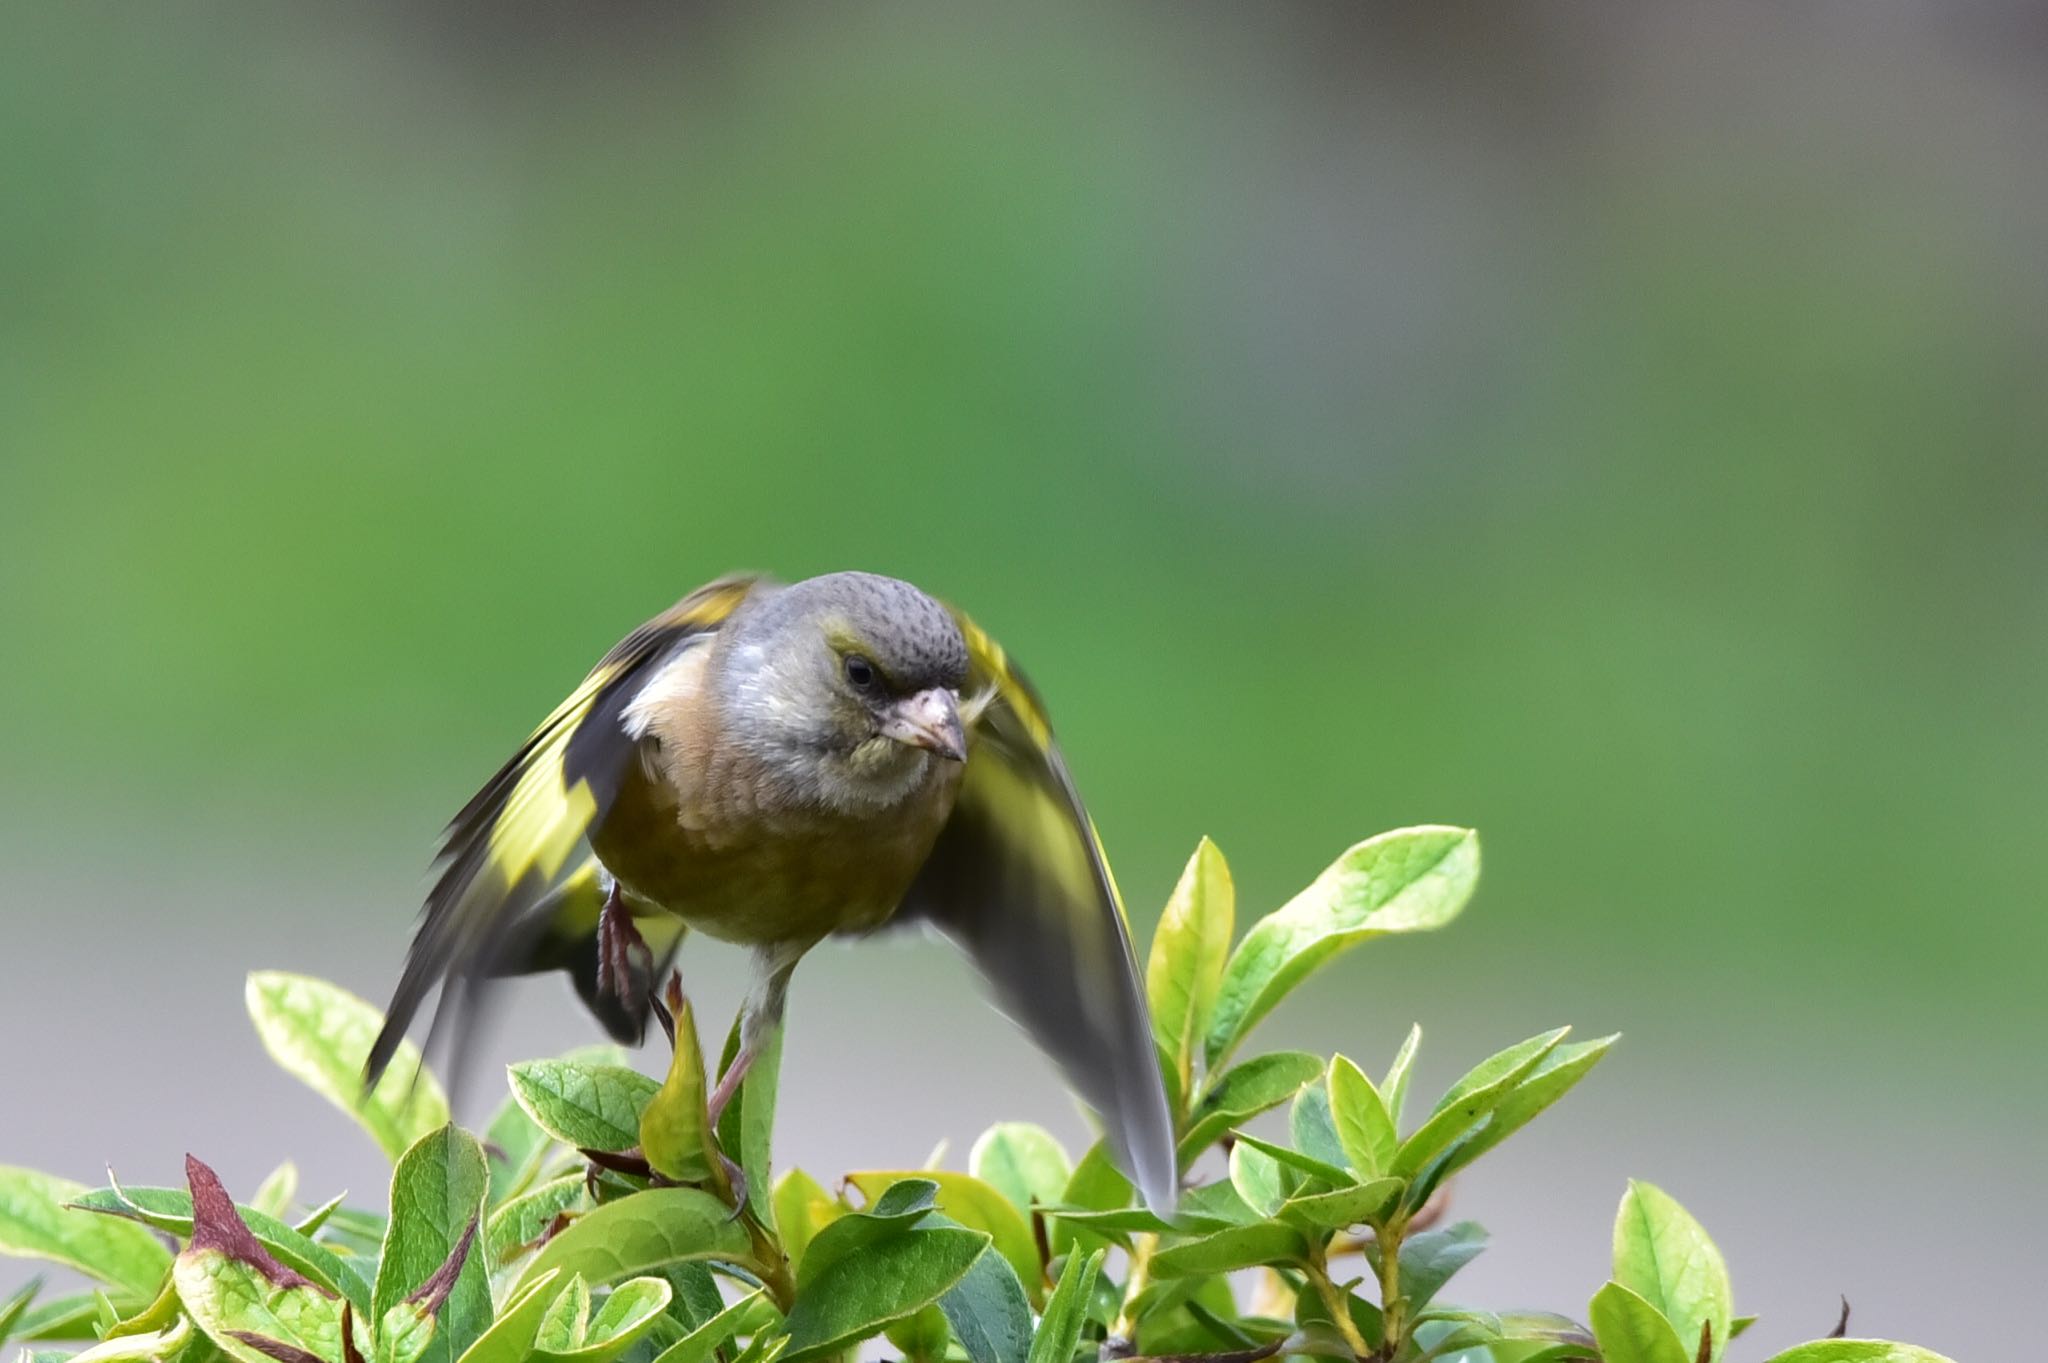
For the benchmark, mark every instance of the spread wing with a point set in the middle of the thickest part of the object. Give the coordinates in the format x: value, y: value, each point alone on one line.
x: 1018, y: 879
x: 502, y: 853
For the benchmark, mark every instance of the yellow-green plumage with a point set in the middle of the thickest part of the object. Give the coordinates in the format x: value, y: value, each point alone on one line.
x: 771, y: 765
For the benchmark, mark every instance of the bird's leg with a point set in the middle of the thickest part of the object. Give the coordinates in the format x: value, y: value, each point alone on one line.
x: 760, y: 1015
x: 623, y: 957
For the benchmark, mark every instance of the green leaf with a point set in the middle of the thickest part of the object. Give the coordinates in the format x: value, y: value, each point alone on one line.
x: 510, y: 1338
x: 321, y: 1034
x: 1394, y: 1088
x: 1336, y: 1176
x: 588, y: 1106
x: 1630, y: 1330
x: 855, y: 1295
x: 1257, y: 1178
x: 973, y: 1204
x: 1098, y: 1186
x: 38, y: 1222
x: 1023, y: 1162
x: 625, y: 1317
x: 1243, y: 1092
x: 1066, y: 1310
x: 1664, y: 1256
x: 989, y: 1312
x: 642, y: 1233
x: 747, y: 1126
x: 1409, y: 880
x: 1331, y: 1211
x: 675, y: 1129
x: 802, y: 1209
x: 698, y: 1345
x: 170, y: 1210
x: 1857, y: 1351
x: 247, y: 1302
x: 1184, y: 972
x: 922, y: 1336
x: 515, y: 1226
x: 437, y: 1198
x: 74, y: 1316
x: 516, y: 1148
x: 1364, y: 1127
x: 1552, y: 1078
x: 1430, y: 1258
x: 1313, y: 1129
x: 16, y: 1306
x: 1472, y: 1100
x: 1264, y: 1242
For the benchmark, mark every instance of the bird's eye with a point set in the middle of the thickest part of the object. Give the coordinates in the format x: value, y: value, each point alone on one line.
x: 859, y: 672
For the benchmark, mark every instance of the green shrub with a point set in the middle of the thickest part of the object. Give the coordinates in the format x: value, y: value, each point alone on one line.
x: 601, y: 1217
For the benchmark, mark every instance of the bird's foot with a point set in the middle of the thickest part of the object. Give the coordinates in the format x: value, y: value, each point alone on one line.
x: 624, y: 959
x: 736, y: 1179
x: 729, y: 1083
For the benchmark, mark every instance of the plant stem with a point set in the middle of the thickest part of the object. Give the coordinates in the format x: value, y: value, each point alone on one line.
x: 1142, y: 1248
x: 1340, y: 1310
x: 1393, y: 1308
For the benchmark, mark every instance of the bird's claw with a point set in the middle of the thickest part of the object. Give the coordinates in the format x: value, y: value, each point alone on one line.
x: 623, y: 956
x: 736, y: 1177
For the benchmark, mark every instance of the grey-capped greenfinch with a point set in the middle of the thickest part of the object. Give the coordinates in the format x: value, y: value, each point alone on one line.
x: 772, y: 765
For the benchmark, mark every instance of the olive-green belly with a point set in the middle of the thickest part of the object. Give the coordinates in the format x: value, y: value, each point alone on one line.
x: 769, y: 878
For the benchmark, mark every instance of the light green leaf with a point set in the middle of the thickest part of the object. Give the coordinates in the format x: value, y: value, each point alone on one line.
x: 1472, y: 1100
x: 1409, y: 880
x: 403, y: 1335
x: 274, y: 1196
x: 1364, y: 1128
x: 1257, y: 1178
x: 922, y: 1336
x: 854, y: 1295
x: 1243, y: 1092
x: 698, y: 1345
x: 561, y: 1325
x: 625, y: 1317
x: 1857, y: 1351
x: 802, y: 1209
x: 1336, y: 1176
x: 675, y: 1129
x: 588, y: 1106
x: 1066, y: 1310
x: 515, y: 1226
x: 1664, y: 1256
x: 37, y: 1222
x: 1552, y: 1078
x: 1630, y: 1330
x: 1342, y: 1207
x: 321, y: 1034
x: 642, y: 1233
x: 437, y: 1195
x: 1184, y: 971
x: 747, y: 1126
x: 510, y: 1338
x: 973, y: 1204
x: 1394, y: 1088
x: 228, y: 1298
x: 1023, y: 1162
x: 150, y: 1346
x: 170, y: 1210
x: 1264, y: 1242
x: 74, y: 1316
x: 989, y: 1313
x: 17, y: 1305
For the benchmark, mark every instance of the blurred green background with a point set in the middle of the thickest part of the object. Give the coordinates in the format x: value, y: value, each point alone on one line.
x: 1619, y: 428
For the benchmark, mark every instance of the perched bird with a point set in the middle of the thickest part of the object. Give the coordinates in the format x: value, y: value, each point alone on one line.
x: 772, y: 765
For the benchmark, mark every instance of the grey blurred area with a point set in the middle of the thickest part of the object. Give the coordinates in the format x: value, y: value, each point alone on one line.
x: 1616, y: 427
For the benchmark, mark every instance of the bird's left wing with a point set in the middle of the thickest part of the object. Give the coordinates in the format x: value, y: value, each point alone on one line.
x: 500, y: 855
x: 1018, y: 879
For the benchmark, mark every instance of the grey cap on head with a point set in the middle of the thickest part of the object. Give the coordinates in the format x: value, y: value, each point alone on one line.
x: 913, y: 639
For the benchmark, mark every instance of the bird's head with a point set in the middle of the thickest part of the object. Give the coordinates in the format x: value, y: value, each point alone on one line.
x: 852, y: 676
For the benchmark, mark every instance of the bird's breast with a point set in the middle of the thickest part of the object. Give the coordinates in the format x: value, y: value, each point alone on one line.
x: 708, y: 836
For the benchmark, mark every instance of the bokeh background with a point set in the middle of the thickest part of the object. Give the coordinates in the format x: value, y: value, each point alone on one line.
x: 1615, y: 426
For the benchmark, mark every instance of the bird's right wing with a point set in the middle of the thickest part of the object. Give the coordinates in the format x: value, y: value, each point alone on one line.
x: 1019, y: 881
x: 502, y: 853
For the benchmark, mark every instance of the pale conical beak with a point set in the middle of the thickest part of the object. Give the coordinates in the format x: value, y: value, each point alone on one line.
x: 931, y: 720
